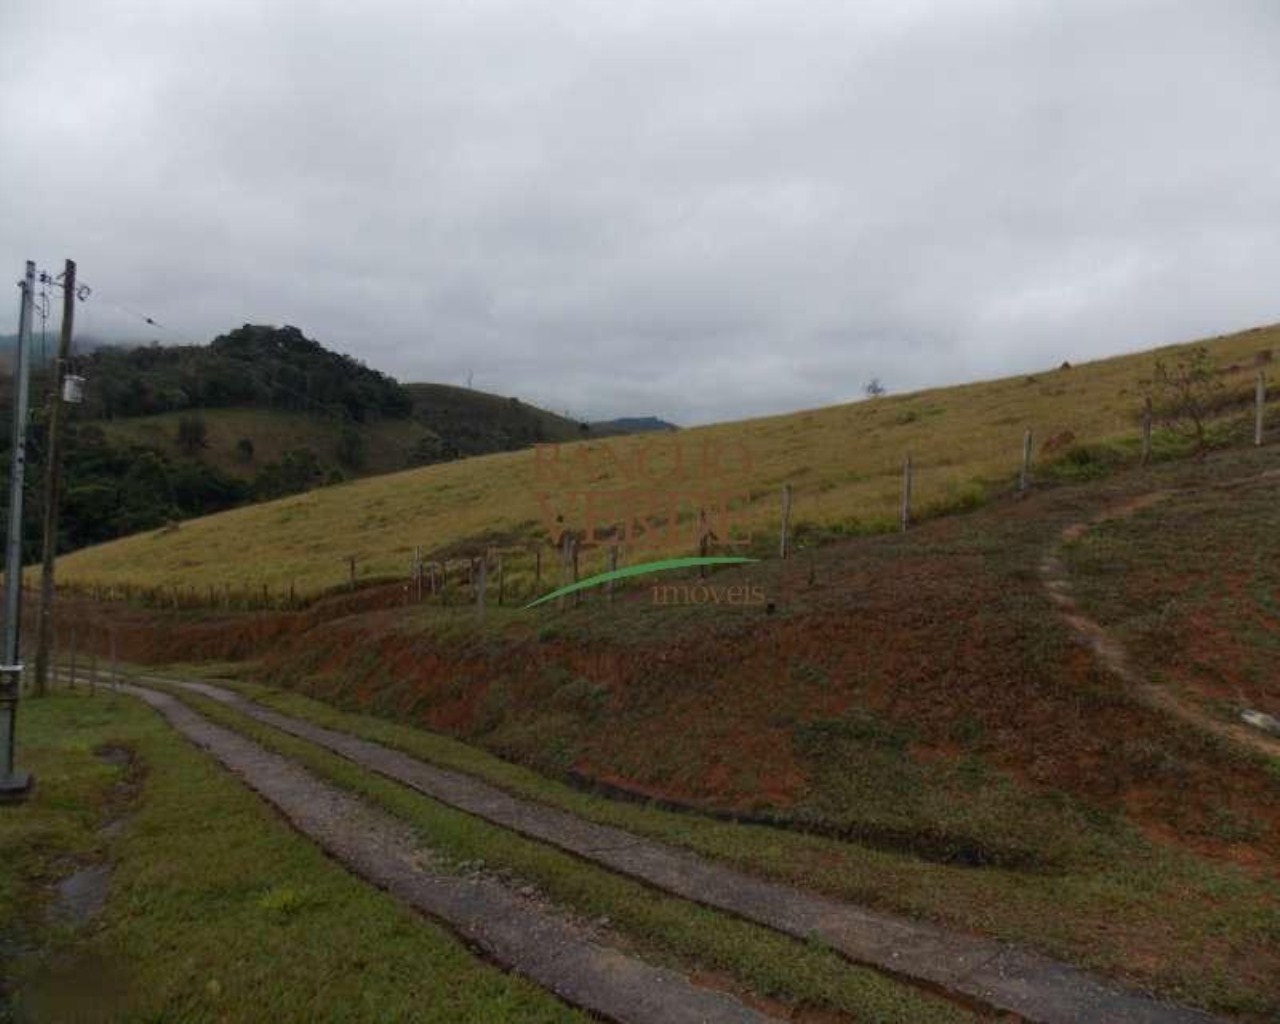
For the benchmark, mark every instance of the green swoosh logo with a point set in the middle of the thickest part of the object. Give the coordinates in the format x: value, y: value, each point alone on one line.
x: 640, y: 570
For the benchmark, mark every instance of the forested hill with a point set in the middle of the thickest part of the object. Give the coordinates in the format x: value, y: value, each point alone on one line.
x: 264, y: 367
x: 171, y: 432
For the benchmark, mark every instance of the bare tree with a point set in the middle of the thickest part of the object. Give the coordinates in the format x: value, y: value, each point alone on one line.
x: 1182, y: 394
x: 873, y: 388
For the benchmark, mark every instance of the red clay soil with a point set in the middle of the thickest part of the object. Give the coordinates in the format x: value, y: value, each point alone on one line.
x: 943, y: 642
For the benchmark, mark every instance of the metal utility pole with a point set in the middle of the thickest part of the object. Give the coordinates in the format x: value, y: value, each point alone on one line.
x: 14, y: 785
x: 52, y: 479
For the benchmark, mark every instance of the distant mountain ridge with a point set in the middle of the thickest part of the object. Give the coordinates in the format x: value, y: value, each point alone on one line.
x: 631, y: 425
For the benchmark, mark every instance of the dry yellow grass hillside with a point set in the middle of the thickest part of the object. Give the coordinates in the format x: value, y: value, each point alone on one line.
x: 843, y: 462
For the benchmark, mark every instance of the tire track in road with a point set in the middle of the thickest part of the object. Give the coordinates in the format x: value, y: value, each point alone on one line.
x: 552, y: 951
x: 976, y: 971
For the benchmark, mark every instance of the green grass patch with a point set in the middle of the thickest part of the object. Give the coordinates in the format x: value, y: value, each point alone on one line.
x: 667, y: 929
x: 1211, y: 921
x: 217, y: 910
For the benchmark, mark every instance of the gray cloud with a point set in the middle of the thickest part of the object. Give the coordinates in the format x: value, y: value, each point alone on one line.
x: 702, y: 210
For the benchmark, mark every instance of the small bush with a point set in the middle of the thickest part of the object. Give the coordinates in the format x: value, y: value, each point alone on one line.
x: 1086, y: 461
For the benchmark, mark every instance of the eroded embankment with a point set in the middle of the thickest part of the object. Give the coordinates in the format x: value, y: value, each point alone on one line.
x: 920, y: 694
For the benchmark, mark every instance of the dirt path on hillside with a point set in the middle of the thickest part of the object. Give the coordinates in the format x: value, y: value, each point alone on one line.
x: 1111, y: 653
x: 517, y: 932
x: 976, y: 970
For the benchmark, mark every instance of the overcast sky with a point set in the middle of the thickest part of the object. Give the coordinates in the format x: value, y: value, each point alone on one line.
x: 693, y: 209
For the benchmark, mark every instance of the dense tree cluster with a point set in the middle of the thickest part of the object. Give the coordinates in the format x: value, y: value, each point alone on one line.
x: 267, y: 367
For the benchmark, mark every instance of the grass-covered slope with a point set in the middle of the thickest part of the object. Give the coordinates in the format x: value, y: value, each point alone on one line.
x: 843, y: 462
x: 215, y: 909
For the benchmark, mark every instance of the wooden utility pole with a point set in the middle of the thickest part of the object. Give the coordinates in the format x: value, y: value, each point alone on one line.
x: 52, y: 479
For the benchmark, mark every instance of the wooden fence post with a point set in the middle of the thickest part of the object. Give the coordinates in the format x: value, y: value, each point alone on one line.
x: 704, y: 540
x: 480, y: 584
x: 613, y: 565
x: 502, y: 582
x: 573, y: 547
x: 1260, y: 402
x: 565, y: 541
x: 115, y: 676
x: 906, y: 494
x: 351, y: 563
x: 784, y: 545
x: 537, y: 569
x: 73, y: 655
x: 93, y: 662
x: 1024, y: 477
x: 1146, y: 431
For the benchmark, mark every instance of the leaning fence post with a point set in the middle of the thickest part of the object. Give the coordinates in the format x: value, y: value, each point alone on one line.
x: 1025, y: 475
x: 1260, y: 402
x: 906, y: 494
x: 783, y: 539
